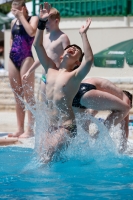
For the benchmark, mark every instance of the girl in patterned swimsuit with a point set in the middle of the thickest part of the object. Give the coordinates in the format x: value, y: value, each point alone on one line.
x: 23, y: 29
x: 21, y: 46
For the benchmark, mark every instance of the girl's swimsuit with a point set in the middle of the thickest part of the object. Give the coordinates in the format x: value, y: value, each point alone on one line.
x: 21, y: 45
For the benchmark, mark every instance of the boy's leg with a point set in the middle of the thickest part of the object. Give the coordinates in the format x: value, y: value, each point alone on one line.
x: 107, y: 86
x: 43, y: 86
x: 43, y: 91
x: 98, y: 100
x: 8, y: 141
x: 126, y: 120
x: 53, y: 142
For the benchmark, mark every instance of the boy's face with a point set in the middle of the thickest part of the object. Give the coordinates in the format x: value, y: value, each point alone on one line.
x: 73, y: 53
x: 51, y: 24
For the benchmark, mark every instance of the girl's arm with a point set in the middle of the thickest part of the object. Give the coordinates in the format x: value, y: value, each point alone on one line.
x: 31, y: 26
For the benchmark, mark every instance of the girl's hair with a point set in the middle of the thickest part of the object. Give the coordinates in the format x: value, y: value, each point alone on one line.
x: 54, y: 13
x: 20, y: 3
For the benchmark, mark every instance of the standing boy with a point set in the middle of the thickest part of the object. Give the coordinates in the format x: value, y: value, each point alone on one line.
x: 54, y: 42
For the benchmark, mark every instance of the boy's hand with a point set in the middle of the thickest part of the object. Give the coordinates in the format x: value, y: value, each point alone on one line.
x: 44, y: 11
x: 25, y: 76
x: 84, y: 28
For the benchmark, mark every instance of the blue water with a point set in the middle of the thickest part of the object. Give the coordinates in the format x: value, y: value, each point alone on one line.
x: 96, y: 176
x: 87, y: 169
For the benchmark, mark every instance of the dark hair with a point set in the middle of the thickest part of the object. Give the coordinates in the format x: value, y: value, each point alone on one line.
x: 82, y: 53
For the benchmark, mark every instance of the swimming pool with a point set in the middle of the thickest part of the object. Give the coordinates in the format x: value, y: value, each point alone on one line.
x: 88, y: 172
x: 88, y: 169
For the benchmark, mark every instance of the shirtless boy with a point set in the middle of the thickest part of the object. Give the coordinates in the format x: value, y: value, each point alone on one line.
x: 96, y: 90
x: 62, y: 83
x: 61, y: 89
x: 54, y: 42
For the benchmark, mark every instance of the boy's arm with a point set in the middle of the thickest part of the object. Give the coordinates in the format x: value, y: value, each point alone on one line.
x: 65, y: 41
x: 38, y: 41
x: 84, y: 68
x: 35, y: 65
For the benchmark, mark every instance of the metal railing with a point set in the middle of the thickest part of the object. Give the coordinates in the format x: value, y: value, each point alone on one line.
x: 78, y: 8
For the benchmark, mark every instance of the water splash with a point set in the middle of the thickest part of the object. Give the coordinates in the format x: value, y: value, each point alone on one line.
x: 84, y: 146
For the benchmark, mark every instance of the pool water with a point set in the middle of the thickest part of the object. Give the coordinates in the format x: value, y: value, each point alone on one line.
x: 87, y: 169
x: 96, y: 176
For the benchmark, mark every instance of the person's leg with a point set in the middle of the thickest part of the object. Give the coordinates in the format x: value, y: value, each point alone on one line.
x: 83, y: 121
x: 99, y: 100
x: 107, y: 86
x: 43, y: 91
x: 16, y: 85
x: 28, y: 88
x: 4, y: 141
x: 126, y: 119
x: 53, y: 141
x: 43, y: 86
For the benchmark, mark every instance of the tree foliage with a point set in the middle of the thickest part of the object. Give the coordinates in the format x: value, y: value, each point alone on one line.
x: 6, y: 7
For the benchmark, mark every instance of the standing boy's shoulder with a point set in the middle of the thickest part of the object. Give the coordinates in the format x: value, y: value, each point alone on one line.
x: 65, y: 40
x: 64, y: 36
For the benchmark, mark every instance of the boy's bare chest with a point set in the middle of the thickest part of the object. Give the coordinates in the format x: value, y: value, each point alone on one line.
x: 53, y: 46
x: 57, y: 80
x: 61, y: 83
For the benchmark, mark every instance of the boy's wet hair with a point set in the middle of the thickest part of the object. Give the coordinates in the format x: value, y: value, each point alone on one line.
x: 82, y: 54
x: 54, y: 13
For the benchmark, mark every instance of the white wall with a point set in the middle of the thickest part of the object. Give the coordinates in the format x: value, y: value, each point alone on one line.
x: 103, y: 33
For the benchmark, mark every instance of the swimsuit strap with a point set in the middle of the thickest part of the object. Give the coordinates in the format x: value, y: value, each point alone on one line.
x: 16, y: 21
x: 14, y: 25
x: 22, y: 24
x: 29, y: 18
